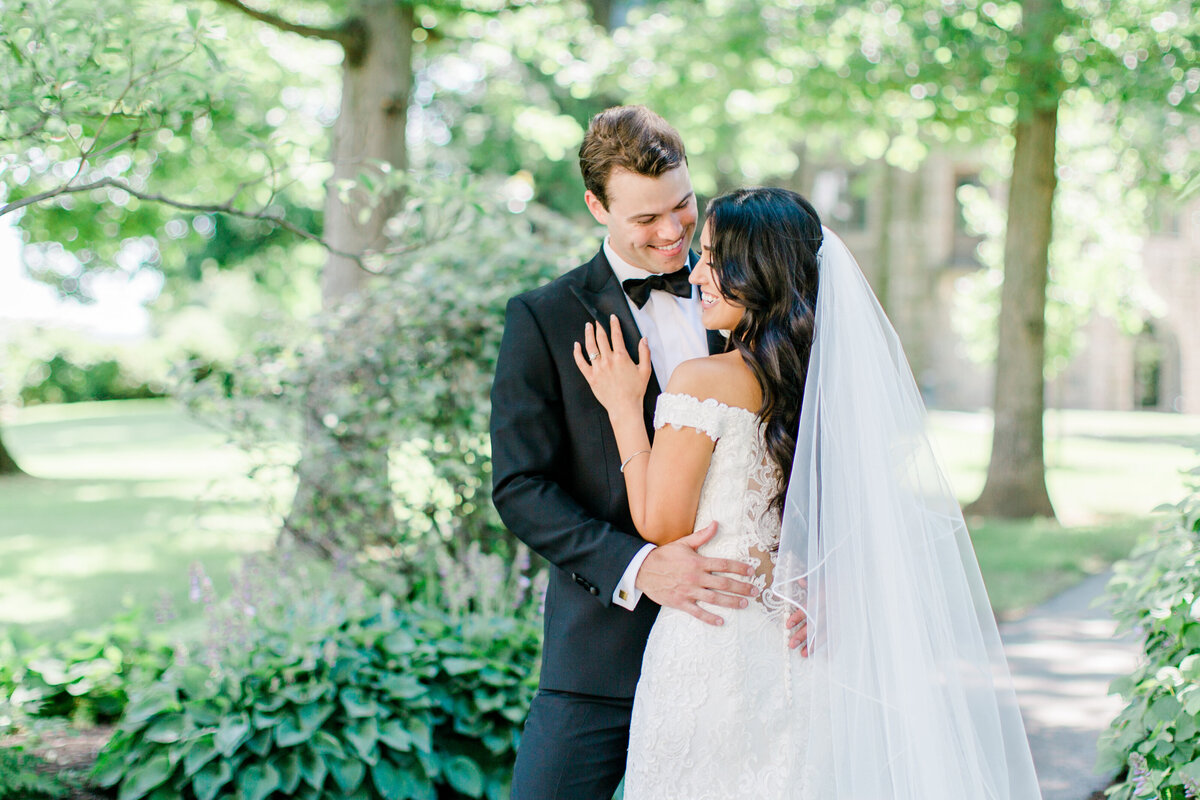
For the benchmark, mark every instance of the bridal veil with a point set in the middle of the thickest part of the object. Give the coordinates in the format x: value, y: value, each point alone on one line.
x: 874, y: 547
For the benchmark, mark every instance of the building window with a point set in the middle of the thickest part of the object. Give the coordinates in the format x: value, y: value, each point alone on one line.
x: 1147, y: 368
x: 840, y: 197
x: 962, y: 253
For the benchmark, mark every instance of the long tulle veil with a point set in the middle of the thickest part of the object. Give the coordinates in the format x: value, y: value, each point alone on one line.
x: 874, y: 546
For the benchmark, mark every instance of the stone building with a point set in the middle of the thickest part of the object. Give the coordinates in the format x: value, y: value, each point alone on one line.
x: 907, y: 230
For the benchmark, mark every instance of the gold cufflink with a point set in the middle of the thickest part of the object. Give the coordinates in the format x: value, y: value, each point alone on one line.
x: 623, y: 594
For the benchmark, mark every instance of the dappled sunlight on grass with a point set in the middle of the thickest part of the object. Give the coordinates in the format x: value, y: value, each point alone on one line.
x: 117, y: 518
x: 1101, y: 465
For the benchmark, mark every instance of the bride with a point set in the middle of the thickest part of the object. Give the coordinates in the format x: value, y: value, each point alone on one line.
x: 804, y: 441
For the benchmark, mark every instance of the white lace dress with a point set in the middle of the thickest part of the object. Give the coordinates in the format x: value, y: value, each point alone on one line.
x: 724, y: 712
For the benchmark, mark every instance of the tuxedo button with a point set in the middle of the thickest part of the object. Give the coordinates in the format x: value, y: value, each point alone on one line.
x: 593, y: 590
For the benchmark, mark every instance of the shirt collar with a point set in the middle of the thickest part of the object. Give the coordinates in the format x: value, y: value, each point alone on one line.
x: 623, y: 269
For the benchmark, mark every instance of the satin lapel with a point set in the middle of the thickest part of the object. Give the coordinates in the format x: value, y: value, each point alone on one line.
x: 603, y: 296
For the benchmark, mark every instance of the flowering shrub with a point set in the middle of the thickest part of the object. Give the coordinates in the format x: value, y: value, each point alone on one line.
x: 1156, y: 593
x: 313, y: 686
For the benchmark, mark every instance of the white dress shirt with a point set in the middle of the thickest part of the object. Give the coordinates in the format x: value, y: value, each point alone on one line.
x: 675, y: 333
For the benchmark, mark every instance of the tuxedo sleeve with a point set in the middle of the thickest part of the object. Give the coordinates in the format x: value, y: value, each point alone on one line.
x: 528, y: 431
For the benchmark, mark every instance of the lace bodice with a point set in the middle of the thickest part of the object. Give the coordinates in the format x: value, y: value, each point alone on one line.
x: 741, y: 480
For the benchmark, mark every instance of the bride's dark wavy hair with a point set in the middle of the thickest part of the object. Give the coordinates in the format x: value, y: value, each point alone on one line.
x: 764, y: 256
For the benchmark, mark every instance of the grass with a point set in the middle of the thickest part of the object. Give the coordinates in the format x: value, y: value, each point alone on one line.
x: 122, y: 497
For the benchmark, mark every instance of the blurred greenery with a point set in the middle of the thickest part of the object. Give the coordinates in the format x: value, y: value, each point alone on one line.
x: 123, y: 496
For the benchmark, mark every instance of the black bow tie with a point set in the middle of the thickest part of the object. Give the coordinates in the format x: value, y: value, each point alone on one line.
x: 675, y: 282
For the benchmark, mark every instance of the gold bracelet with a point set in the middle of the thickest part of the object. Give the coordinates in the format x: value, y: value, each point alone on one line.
x: 625, y: 463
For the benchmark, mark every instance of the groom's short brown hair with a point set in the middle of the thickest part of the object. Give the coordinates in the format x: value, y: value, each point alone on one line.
x: 628, y: 137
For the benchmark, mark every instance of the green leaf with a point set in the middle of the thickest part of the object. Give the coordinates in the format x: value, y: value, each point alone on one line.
x: 399, y: 643
x: 459, y: 666
x: 1165, y: 709
x: 290, y: 732
x: 304, y: 693
x: 144, y: 777
x: 203, y: 750
x: 153, y: 701
x: 257, y: 782
x: 231, y: 732
x: 289, y: 772
x: 358, y: 704
x: 464, y: 775
x: 166, y: 729
x: 312, y: 768
x: 402, y: 686
x: 422, y: 734
x: 209, y: 780
x: 364, y: 734
x: 395, y: 735
x: 347, y: 772
x: 260, y: 743
x: 313, y: 715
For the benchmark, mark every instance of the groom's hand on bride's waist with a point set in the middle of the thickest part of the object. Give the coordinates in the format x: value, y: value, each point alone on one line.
x: 676, y: 576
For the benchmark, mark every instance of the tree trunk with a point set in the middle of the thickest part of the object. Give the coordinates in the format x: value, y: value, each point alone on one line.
x: 8, y: 465
x: 369, y: 133
x: 1016, y: 477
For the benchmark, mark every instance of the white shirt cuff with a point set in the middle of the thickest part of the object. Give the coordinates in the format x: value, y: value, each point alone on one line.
x: 627, y: 593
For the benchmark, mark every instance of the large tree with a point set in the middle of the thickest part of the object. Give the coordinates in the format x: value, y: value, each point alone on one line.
x: 892, y: 78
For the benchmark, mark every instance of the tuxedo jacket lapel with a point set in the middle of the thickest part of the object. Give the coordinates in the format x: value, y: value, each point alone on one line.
x: 602, y: 296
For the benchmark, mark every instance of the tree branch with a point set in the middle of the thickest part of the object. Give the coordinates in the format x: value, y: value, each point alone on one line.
x: 346, y: 36
x: 203, y: 208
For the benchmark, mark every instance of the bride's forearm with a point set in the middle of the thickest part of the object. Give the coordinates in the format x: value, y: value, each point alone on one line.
x: 634, y: 447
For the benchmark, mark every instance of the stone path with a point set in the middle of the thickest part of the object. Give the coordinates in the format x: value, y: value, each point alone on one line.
x: 1062, y: 657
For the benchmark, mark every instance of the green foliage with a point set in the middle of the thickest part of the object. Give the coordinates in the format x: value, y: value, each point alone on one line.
x: 21, y: 780
x: 390, y: 390
x: 311, y: 686
x: 1156, y: 593
x: 65, y: 381
x: 85, y: 677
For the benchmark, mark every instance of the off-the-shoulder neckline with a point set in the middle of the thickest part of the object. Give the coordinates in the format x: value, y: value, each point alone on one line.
x: 710, y: 401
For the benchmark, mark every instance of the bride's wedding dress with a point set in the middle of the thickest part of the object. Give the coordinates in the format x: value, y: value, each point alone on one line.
x: 725, y: 711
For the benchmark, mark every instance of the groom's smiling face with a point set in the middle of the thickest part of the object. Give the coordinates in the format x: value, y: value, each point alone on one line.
x: 650, y: 221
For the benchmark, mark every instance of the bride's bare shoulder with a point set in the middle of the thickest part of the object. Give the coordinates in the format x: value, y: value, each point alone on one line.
x: 724, y: 377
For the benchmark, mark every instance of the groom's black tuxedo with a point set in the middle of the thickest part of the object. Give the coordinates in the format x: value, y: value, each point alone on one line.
x: 557, y: 481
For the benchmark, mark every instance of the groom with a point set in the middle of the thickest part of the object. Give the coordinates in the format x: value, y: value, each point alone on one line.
x: 557, y: 480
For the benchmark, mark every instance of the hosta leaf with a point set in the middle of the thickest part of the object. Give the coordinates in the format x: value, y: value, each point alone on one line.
x: 313, y: 715
x: 395, y: 735
x: 464, y: 775
x: 289, y: 772
x: 347, y: 772
x: 202, y: 751
x: 358, y: 704
x: 166, y: 729
x: 256, y: 782
x: 363, y: 734
x: 145, y: 776
x: 209, y: 780
x: 312, y: 768
x: 231, y: 732
x: 290, y: 733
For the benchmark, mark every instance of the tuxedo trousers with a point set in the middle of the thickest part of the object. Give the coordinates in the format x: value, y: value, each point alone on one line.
x: 573, y: 748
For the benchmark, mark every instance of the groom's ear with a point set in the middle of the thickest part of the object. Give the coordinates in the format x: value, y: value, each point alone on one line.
x: 596, y: 207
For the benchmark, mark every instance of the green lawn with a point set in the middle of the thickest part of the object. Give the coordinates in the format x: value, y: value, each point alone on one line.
x: 123, y: 496
x: 120, y: 499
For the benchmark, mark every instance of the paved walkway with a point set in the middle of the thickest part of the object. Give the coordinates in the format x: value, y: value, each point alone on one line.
x: 1062, y: 657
